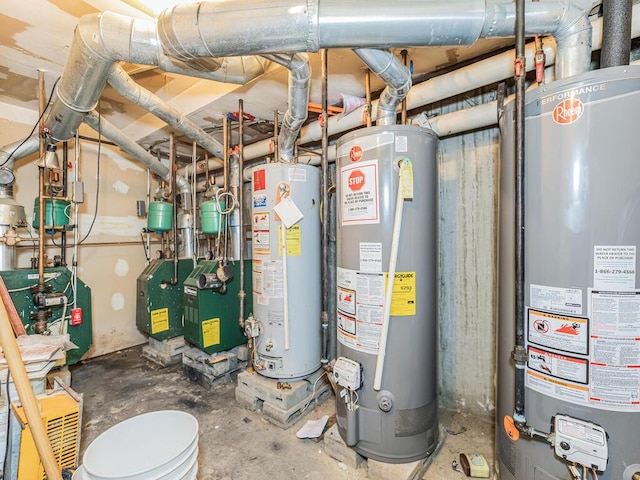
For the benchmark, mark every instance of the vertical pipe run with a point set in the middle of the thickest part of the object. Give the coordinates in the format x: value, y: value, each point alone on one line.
x: 275, y: 135
x: 65, y: 181
x: 519, y: 353
x: 174, y: 192
x: 403, y: 113
x: 41, y: 203
x: 616, y: 33
x: 367, y: 90
x: 243, y: 236
x: 225, y: 153
x: 324, y: 225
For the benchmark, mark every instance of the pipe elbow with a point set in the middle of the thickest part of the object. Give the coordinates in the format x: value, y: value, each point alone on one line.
x: 573, y: 37
x: 182, y: 184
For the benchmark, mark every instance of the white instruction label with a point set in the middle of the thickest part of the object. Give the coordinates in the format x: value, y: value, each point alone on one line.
x: 297, y: 174
x: 371, y: 257
x: 258, y: 285
x: 272, y: 279
x: 359, y: 192
x: 614, y: 267
x: 615, y: 313
x: 559, y: 366
x: 560, y: 332
x: 554, y: 299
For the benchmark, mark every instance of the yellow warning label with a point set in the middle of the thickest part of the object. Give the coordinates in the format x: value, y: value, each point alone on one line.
x: 403, y: 300
x: 211, y: 332
x: 294, y: 240
x: 159, y: 320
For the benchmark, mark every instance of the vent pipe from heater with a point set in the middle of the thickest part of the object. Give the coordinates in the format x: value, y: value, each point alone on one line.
x: 298, y: 100
x: 616, y: 33
x: 395, y: 74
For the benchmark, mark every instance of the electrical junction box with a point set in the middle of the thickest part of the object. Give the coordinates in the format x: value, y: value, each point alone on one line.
x: 347, y: 373
x: 474, y: 465
x: 581, y: 442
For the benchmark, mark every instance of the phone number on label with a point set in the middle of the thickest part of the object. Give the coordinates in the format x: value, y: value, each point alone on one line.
x: 614, y: 272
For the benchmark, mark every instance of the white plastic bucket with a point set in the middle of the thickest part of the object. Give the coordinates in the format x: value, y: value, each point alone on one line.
x: 154, y: 446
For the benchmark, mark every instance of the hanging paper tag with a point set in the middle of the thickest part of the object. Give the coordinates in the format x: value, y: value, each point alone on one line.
x: 288, y: 212
x: 406, y: 179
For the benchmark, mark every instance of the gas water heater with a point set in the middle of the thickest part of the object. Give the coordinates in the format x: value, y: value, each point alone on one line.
x: 396, y: 420
x: 582, y: 318
x: 285, y: 324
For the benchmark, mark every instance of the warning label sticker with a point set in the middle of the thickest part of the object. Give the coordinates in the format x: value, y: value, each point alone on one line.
x: 559, y: 366
x: 359, y: 191
x: 347, y: 300
x: 554, y: 299
x: 557, y: 388
x: 612, y: 351
x: 211, y: 332
x: 403, y: 300
x: 294, y: 240
x: 615, y: 313
x: 614, y: 267
x: 259, y: 180
x: 348, y: 326
x: 560, y: 332
x: 159, y: 320
x: 261, y: 233
x: 370, y: 257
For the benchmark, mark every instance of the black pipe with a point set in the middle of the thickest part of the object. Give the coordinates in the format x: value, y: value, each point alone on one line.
x: 519, y: 353
x: 65, y: 175
x: 241, y: 293
x: 324, y: 225
x: 616, y: 33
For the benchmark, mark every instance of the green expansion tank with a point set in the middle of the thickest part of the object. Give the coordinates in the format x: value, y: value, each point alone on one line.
x: 78, y: 316
x: 159, y: 304
x: 210, y: 317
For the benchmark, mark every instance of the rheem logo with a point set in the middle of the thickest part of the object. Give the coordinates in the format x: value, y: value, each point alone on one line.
x: 356, y: 180
x: 568, y: 111
x: 355, y: 154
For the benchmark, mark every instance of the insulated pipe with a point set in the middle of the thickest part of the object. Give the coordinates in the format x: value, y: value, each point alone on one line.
x: 395, y: 74
x: 129, y: 89
x: 108, y: 130
x: 616, y: 33
x: 298, y: 100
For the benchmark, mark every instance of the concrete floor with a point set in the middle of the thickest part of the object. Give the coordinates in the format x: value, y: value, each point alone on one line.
x: 235, y: 443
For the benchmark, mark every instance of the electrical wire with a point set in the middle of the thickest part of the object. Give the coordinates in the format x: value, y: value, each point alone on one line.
x: 313, y: 392
x: 53, y: 89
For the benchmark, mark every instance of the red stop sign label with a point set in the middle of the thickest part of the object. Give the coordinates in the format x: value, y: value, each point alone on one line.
x: 355, y: 154
x: 356, y: 180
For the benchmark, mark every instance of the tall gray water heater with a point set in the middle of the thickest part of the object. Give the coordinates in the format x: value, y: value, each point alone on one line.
x: 398, y: 422
x: 582, y: 298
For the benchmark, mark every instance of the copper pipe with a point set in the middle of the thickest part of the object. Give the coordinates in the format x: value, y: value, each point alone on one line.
x: 225, y: 156
x: 41, y: 192
x: 275, y: 135
x: 403, y: 115
x: 367, y: 89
